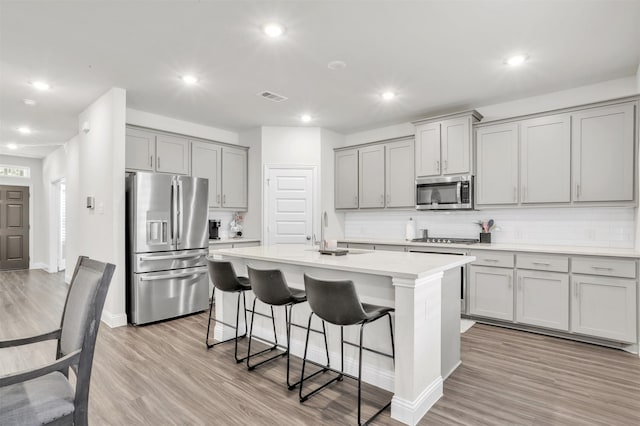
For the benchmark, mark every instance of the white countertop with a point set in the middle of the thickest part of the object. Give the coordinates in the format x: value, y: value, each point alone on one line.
x: 395, y: 264
x: 531, y: 248
x: 234, y: 240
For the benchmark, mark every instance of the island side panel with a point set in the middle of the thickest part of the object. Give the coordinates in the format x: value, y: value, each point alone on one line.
x: 450, y: 321
x: 418, y: 379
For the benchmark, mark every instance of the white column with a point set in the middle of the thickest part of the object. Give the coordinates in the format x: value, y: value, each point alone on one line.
x: 418, y: 379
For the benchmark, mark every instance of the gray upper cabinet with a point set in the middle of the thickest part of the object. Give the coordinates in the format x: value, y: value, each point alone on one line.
x: 206, y: 163
x: 140, y: 150
x: 603, y: 154
x: 456, y: 146
x: 497, y: 156
x: 172, y: 154
x: 545, y: 153
x: 346, y: 179
x: 234, y: 178
x: 371, y: 177
x: 400, y: 176
x: 428, y: 149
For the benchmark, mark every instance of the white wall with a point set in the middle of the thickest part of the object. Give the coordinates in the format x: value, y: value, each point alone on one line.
x: 38, y: 235
x: 161, y: 122
x: 54, y: 167
x: 291, y: 145
x: 253, y: 216
x: 96, y: 168
x: 330, y: 140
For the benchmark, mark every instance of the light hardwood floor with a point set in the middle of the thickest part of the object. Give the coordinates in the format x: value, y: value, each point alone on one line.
x: 162, y: 374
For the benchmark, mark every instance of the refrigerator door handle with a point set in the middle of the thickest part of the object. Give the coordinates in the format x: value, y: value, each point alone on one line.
x: 179, y: 218
x: 171, y: 257
x: 173, y: 212
x: 171, y: 276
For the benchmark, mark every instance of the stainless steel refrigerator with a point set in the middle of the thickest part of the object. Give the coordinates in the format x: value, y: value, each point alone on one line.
x: 167, y: 245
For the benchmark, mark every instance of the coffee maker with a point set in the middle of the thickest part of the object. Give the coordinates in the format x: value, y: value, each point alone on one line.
x: 214, y: 228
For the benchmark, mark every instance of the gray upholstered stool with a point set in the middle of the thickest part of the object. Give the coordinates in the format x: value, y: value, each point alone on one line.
x: 224, y: 278
x: 337, y: 303
x: 270, y: 287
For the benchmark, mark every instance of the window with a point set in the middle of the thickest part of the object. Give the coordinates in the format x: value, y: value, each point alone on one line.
x: 15, y: 171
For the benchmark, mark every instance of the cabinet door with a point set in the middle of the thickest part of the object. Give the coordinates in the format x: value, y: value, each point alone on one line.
x: 205, y: 163
x: 602, y: 143
x: 542, y: 299
x: 456, y: 146
x: 172, y: 155
x: 545, y: 158
x: 604, y: 307
x: 491, y: 292
x: 346, y: 179
x: 371, y: 179
x: 140, y: 150
x: 400, y: 176
x: 497, y: 173
x: 234, y: 178
x: 428, y: 149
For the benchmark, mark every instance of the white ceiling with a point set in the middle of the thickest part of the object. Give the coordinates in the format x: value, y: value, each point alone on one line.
x: 437, y: 55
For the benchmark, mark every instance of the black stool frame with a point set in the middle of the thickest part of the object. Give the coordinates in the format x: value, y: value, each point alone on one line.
x: 341, y: 373
x: 244, y: 303
x: 288, y: 308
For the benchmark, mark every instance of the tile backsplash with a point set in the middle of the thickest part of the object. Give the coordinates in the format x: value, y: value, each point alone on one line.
x: 595, y: 227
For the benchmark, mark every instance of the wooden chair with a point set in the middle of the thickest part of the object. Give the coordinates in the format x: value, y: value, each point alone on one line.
x: 44, y: 395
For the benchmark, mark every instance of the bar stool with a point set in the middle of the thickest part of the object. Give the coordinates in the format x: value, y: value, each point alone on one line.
x: 224, y: 278
x: 337, y: 302
x: 270, y: 287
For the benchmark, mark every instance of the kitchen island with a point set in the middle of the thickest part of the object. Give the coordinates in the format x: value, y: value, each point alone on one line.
x: 423, y: 289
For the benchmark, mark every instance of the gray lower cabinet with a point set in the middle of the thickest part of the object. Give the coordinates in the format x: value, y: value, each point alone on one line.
x: 542, y: 299
x: 490, y: 292
x: 604, y: 307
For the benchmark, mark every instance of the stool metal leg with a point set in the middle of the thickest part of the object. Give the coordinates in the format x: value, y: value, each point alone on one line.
x: 237, y: 337
x: 269, y: 349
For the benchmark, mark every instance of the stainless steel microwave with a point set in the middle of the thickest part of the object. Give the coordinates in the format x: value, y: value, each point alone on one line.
x: 444, y: 193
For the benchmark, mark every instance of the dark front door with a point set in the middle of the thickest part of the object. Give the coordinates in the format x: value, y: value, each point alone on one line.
x: 14, y: 227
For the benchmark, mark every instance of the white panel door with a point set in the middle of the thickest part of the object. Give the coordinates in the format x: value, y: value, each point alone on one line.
x: 497, y: 172
x: 140, y: 150
x: 604, y: 307
x: 371, y: 179
x: 172, y: 155
x: 542, y: 299
x: 289, y: 212
x: 234, y: 178
x: 545, y: 157
x: 428, y: 149
x: 603, y: 146
x: 205, y: 163
x: 400, y: 176
x: 456, y: 145
x: 346, y: 179
x: 491, y: 292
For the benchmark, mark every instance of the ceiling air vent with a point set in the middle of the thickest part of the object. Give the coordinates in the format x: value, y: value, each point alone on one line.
x: 274, y: 97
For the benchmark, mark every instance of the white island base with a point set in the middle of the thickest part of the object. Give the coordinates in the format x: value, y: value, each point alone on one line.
x: 423, y: 288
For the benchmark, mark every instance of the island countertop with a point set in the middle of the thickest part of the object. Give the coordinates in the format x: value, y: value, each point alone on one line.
x: 395, y: 264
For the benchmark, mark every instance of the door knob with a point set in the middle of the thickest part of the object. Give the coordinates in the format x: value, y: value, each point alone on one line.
x: 308, y: 238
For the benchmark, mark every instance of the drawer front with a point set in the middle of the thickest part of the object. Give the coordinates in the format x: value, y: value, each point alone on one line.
x: 541, y: 262
x: 489, y: 258
x: 604, y: 266
x: 389, y: 247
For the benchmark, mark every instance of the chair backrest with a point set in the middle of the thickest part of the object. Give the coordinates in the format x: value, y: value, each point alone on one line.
x: 334, y: 301
x: 269, y: 286
x: 81, y: 319
x: 223, y: 275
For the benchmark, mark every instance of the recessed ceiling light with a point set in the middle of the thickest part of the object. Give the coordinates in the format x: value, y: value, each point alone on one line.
x: 189, y: 79
x: 336, y: 65
x: 29, y: 102
x: 387, y: 96
x: 24, y: 130
x: 40, y: 85
x: 305, y: 118
x: 12, y: 146
x: 273, y: 29
x: 516, y: 60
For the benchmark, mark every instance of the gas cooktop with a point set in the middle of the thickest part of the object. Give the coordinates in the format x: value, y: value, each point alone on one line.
x: 445, y: 240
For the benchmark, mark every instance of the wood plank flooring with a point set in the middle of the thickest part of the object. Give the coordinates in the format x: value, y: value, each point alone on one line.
x: 162, y: 374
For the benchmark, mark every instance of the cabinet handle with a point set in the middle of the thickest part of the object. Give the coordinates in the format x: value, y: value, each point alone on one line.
x: 388, y: 199
x: 577, y: 190
x: 541, y: 263
x: 224, y: 199
x: 446, y: 165
x: 438, y: 166
x: 601, y: 268
x: 490, y: 260
x: 382, y: 199
x: 218, y: 198
x: 151, y: 161
x: 158, y: 163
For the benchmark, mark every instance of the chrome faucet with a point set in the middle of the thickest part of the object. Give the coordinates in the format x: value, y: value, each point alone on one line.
x: 324, y: 222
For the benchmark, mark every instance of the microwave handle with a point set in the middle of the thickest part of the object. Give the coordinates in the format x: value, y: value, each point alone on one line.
x: 459, y: 192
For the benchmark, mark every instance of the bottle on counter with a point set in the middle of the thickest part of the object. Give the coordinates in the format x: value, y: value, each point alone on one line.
x: 410, y: 230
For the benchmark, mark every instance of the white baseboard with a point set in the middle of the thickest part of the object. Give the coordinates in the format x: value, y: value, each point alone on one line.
x: 114, y: 320
x: 39, y: 265
x: 410, y: 412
